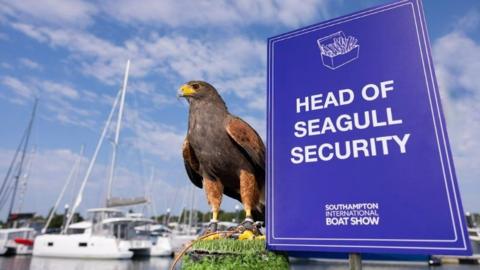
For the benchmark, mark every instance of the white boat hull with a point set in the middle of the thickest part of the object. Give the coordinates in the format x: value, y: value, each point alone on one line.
x: 23, y: 250
x: 8, y: 245
x: 140, y: 247
x: 3, y: 248
x: 161, y: 247
x: 81, y: 246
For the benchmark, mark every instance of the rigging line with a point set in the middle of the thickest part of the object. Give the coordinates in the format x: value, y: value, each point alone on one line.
x: 75, y: 177
x: 22, y: 158
x: 9, y: 187
x: 64, y: 188
x: 4, y: 198
x: 25, y: 177
x: 12, y: 163
x: 6, y: 194
x: 73, y: 186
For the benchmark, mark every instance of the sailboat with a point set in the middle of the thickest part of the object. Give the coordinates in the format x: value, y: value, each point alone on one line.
x: 108, y: 233
x: 18, y: 237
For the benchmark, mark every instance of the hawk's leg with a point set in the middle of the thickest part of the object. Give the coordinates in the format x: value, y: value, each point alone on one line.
x: 214, y: 191
x: 249, y: 194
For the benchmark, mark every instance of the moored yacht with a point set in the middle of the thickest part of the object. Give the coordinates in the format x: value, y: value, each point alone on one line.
x: 17, y: 241
x: 107, y: 234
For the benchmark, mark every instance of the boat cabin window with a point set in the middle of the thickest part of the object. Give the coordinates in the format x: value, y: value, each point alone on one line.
x: 82, y: 244
x: 50, y: 244
x: 75, y: 231
x: 101, y: 215
x: 13, y: 235
x: 120, y: 230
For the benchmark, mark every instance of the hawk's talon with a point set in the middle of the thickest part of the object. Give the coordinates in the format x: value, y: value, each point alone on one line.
x: 258, y: 225
x: 249, y: 225
x: 213, y: 226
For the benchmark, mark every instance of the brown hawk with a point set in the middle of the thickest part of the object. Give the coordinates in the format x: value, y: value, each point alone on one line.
x: 223, y: 154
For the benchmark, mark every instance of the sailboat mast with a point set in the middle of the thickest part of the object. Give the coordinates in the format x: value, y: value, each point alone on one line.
x: 22, y: 158
x: 117, y: 133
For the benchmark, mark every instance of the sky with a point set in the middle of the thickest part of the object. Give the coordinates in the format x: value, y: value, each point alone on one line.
x: 72, y: 56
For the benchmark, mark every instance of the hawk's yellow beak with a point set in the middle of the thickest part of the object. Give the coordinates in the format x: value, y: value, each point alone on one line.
x: 186, y: 90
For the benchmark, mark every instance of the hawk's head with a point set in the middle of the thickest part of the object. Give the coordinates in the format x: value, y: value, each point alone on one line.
x: 195, y: 91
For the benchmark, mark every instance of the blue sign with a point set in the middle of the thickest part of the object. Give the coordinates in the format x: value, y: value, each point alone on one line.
x: 358, y: 152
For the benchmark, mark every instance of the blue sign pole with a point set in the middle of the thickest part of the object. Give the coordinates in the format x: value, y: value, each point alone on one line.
x: 358, y: 152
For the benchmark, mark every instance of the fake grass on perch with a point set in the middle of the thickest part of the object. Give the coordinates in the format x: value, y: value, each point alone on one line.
x: 232, y: 254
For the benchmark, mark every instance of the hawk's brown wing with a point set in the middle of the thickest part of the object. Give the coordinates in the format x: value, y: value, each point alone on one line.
x: 248, y: 139
x: 191, y: 164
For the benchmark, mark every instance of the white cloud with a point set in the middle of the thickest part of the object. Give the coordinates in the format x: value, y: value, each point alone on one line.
x: 220, y: 59
x: 147, y: 92
x: 6, y: 65
x: 98, y: 58
x: 152, y: 137
x: 29, y: 63
x: 21, y: 90
x: 259, y: 103
x: 234, y: 65
x: 57, y: 98
x: 29, y: 30
x: 460, y: 70
x: 160, y: 100
x: 469, y: 22
x: 90, y: 96
x: 193, y: 14
x: 457, y: 60
x: 173, y: 13
x: 57, y: 89
x: 54, y: 12
x: 141, y: 87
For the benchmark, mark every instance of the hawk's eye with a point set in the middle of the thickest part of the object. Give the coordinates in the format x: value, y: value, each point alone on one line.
x: 196, y: 86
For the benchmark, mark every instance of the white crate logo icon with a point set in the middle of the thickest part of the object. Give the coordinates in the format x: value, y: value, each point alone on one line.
x: 338, y: 50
